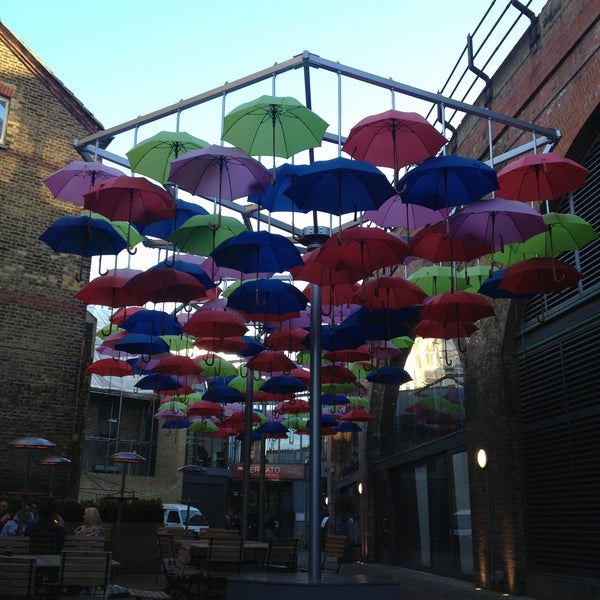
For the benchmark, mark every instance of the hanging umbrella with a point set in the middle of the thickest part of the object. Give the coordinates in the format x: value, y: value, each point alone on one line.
x: 158, y: 381
x: 142, y: 343
x: 153, y: 156
x: 204, y: 408
x: 395, y: 213
x: 109, y: 289
x: 165, y: 227
x: 538, y: 177
x: 215, y: 324
x: 110, y: 367
x: 539, y: 276
x: 219, y: 172
x: 490, y: 287
x: 436, y: 279
x: 349, y: 355
x: 71, y: 182
x: 348, y: 427
x: 274, y: 198
x: 315, y: 271
x: 389, y: 375
x: 456, y: 307
x: 357, y: 415
x: 378, y: 324
x: 178, y: 343
x: 164, y: 284
x: 383, y: 349
x: 223, y: 395
x: 393, y: 139
x: 154, y: 322
x: 131, y: 199
x: 216, y: 365
x: 270, y: 361
x: 336, y: 374
x: 389, y: 293
x: 273, y: 428
x: 256, y: 252
x: 283, y: 384
x: 201, y: 234
x: 444, y: 330
x: 340, y: 186
x: 187, y: 265
x: 203, y: 426
x: 286, y: 339
x: 292, y: 407
x: 178, y: 366
x: 363, y: 250
x: 273, y: 126
x: 270, y: 298
x: 447, y: 180
x: 228, y: 345
x: 334, y: 400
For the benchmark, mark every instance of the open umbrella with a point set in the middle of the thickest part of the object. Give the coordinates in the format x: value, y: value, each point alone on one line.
x: 340, y: 186
x: 164, y: 285
x: 456, y: 306
x: 109, y: 289
x: 393, y: 139
x: 158, y: 381
x: 164, y: 228
x: 395, y: 213
x: 154, y: 322
x: 448, y: 180
x: 153, y: 156
x: 215, y: 324
x: 270, y: 361
x: 110, y: 367
x: 283, y: 384
x: 71, y: 182
x: 436, y: 279
x: 177, y: 365
x: 490, y: 287
x: 389, y: 375
x: 144, y: 344
x: 389, y: 292
x: 273, y: 126
x: 274, y: 198
x: 287, y: 339
x: 316, y: 271
x: 538, y: 177
x: 539, y: 276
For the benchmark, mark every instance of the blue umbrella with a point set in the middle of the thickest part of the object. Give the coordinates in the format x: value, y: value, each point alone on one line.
x: 379, y: 324
x: 189, y: 267
x: 348, y: 427
x: 163, y: 229
x: 176, y: 424
x: 449, y: 180
x: 340, y: 186
x: 335, y: 338
x: 220, y: 380
x: 389, y: 376
x: 270, y: 298
x: 272, y: 427
x: 152, y: 322
x: 257, y: 252
x: 254, y: 346
x: 490, y: 287
x: 223, y: 395
x: 158, y: 381
x: 334, y: 399
x: 283, y: 384
x: 274, y: 198
x: 142, y: 343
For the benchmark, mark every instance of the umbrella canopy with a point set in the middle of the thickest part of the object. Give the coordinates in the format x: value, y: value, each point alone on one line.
x: 456, y: 306
x: 131, y: 199
x: 153, y: 156
x: 286, y: 339
x: 538, y: 177
x: 539, y: 276
x: 201, y: 234
x: 154, y: 322
x: 110, y: 367
x: 71, y: 182
x: 377, y: 324
x: 396, y: 213
x: 437, y: 279
x: 389, y: 292
x: 393, y: 139
x: 490, y: 287
x: 216, y: 366
x: 178, y: 366
x: 447, y: 180
x: 164, y: 228
x: 270, y: 361
x: 229, y: 345
x: 283, y: 384
x: 158, y: 381
x: 446, y: 331
x: 363, y: 250
x: 164, y: 284
x: 340, y: 186
x: 274, y: 198
x: 204, y: 408
x: 315, y: 271
x: 190, y: 267
x: 215, y: 324
x: 257, y: 252
x: 219, y: 172
x: 109, y: 289
x: 273, y: 126
x: 143, y: 343
x: 389, y: 375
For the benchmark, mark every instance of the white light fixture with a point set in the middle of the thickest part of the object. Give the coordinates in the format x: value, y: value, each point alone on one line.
x: 482, y: 458
x: 360, y: 487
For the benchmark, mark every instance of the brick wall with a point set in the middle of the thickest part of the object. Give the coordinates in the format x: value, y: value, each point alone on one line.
x: 44, y: 338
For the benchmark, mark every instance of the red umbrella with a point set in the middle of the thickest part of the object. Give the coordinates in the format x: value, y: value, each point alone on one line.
x: 351, y: 355
x: 456, y: 307
x: 335, y: 295
x: 204, y: 408
x: 132, y: 199
x: 364, y: 250
x: 292, y: 407
x: 389, y: 293
x: 165, y: 284
x: 322, y: 274
x: 539, y: 276
x: 269, y: 361
x: 538, y: 177
x: 110, y: 367
x: 301, y: 374
x: 229, y: 345
x: 287, y: 339
x: 434, y: 244
x: 393, y: 139
x: 445, y: 331
x: 123, y: 313
x: 177, y: 365
x: 336, y: 374
x: 215, y: 324
x: 109, y: 289
x: 357, y: 414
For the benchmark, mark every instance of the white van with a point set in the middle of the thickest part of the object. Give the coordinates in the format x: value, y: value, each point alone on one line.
x: 176, y: 515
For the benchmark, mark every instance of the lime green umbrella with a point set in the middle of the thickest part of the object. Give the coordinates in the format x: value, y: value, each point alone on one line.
x: 153, y: 156
x: 216, y: 366
x: 510, y: 255
x: 104, y: 332
x: 437, y: 279
x: 402, y: 342
x: 240, y: 383
x: 475, y: 276
x: 187, y: 399
x: 201, y: 234
x: 203, y: 426
x: 177, y: 343
x: 126, y: 229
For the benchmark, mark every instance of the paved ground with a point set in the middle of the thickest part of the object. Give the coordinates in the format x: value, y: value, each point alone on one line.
x: 412, y: 585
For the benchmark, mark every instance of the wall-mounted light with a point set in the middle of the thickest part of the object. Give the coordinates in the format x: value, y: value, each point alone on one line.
x: 482, y: 458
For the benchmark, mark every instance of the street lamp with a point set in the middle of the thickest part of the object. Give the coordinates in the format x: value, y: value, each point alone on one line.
x: 52, y: 461
x: 482, y: 461
x: 31, y: 443
x: 126, y: 458
x: 192, y: 470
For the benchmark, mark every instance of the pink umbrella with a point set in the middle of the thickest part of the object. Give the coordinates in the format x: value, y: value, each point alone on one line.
x: 395, y: 213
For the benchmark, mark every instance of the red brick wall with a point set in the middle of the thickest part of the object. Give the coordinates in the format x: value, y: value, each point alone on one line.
x: 43, y: 339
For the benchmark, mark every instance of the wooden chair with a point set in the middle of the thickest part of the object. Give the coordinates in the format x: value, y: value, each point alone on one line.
x: 166, y: 556
x: 42, y: 542
x: 17, y: 577
x: 334, y: 549
x: 224, y: 560
x: 83, y: 542
x: 85, y: 570
x: 186, y: 577
x: 217, y: 532
x: 282, y: 554
x: 14, y: 544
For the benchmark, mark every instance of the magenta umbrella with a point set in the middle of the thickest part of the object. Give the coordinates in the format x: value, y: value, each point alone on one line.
x: 219, y: 172
x: 395, y: 213
x: 71, y: 182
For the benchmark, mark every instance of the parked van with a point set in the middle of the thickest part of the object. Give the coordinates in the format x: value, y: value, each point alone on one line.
x: 176, y: 515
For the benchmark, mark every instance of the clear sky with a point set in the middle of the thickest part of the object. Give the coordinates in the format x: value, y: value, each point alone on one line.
x: 126, y: 58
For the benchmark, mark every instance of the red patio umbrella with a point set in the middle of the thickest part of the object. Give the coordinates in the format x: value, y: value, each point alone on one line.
x: 204, y: 408
x: 336, y: 374
x: 228, y: 345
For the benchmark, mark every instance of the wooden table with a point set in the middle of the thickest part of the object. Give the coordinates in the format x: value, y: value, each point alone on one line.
x: 253, y: 551
x: 51, y: 561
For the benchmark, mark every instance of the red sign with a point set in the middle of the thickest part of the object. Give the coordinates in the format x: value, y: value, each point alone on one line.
x: 274, y: 472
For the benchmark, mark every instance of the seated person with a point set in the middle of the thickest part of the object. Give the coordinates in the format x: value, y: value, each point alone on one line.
x: 92, y: 523
x: 48, y: 520
x: 19, y: 523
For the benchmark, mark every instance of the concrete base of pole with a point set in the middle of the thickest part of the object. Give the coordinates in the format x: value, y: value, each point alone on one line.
x: 296, y: 586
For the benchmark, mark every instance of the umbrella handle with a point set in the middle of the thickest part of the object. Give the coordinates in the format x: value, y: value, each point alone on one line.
x: 256, y: 296
x: 446, y: 359
x: 131, y: 252
x: 215, y: 227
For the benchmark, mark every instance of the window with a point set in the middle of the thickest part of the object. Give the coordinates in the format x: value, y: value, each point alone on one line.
x: 3, y: 117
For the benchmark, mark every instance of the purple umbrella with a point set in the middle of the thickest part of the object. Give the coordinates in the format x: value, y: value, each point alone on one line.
x: 495, y: 222
x: 74, y: 180
x: 219, y: 172
x: 395, y: 213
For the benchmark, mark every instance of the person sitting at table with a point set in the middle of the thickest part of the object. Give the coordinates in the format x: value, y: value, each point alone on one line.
x: 5, y: 514
x: 48, y: 520
x: 19, y: 523
x: 92, y: 523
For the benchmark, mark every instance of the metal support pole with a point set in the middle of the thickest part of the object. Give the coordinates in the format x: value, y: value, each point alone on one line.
x: 246, y: 443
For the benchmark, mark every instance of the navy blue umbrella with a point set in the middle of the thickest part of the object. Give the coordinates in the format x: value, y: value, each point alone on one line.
x: 142, y: 343
x: 219, y: 380
x: 449, y: 180
x: 257, y: 252
x: 176, y: 424
x: 163, y: 229
x: 334, y: 399
x: 379, y: 324
x: 274, y: 198
x: 340, y: 186
x: 223, y: 395
x: 270, y: 298
x: 272, y: 427
x: 254, y: 346
x: 348, y: 427
x: 158, y: 381
x: 335, y: 338
x: 152, y: 322
x: 283, y: 384
x: 389, y: 376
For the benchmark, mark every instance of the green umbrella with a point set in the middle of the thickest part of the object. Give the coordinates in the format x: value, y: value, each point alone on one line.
x: 203, y: 426
x: 153, y: 156
x: 126, y: 229
x: 216, y: 366
x: 475, y: 276
x: 273, y: 126
x: 437, y: 279
x: 201, y: 234
x: 177, y: 343
x: 240, y: 383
